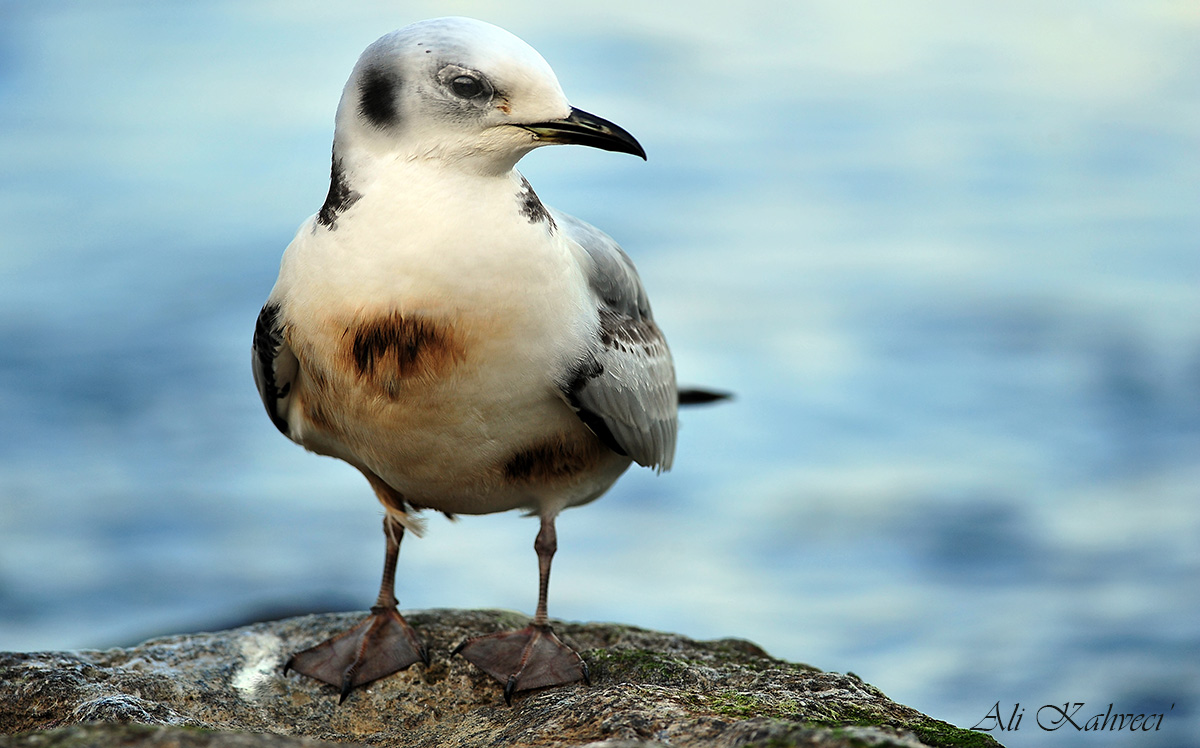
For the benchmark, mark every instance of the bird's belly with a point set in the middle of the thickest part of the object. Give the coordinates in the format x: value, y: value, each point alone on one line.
x: 455, y: 412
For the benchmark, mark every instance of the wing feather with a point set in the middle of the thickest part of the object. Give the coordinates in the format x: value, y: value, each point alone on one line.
x: 274, y: 365
x: 625, y: 388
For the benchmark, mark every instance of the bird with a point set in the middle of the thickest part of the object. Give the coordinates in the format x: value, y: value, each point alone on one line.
x: 467, y: 348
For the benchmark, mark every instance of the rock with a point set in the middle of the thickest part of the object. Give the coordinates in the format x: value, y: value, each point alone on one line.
x: 648, y: 689
x: 101, y: 735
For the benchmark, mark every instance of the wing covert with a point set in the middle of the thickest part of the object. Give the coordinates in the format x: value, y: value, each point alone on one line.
x: 624, y: 389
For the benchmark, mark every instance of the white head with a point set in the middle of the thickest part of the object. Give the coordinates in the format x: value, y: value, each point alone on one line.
x: 462, y: 91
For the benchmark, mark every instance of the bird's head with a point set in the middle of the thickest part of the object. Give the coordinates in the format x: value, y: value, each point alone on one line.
x: 462, y: 91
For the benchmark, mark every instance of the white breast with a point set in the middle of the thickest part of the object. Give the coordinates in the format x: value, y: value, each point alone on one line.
x: 495, y: 310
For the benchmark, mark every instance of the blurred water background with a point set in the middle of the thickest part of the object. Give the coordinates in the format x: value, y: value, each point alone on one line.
x: 946, y: 254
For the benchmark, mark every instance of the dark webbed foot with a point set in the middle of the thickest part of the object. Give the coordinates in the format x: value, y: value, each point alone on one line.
x: 382, y: 644
x: 532, y: 657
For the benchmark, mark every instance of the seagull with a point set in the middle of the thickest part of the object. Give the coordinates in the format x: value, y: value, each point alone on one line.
x: 469, y: 349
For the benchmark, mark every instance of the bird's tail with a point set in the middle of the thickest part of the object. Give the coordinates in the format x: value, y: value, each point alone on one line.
x: 697, y: 396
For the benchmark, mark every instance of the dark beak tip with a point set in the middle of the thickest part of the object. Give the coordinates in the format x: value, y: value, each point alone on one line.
x: 583, y: 128
x: 623, y: 143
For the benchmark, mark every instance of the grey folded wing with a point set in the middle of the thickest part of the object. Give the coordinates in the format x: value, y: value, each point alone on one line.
x: 274, y: 365
x: 624, y: 388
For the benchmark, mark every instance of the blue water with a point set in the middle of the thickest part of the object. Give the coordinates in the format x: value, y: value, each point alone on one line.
x: 947, y: 258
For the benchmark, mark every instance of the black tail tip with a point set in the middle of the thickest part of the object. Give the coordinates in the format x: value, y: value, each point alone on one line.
x: 696, y: 396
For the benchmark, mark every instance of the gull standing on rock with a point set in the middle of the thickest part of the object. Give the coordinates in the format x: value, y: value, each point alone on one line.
x: 468, y: 349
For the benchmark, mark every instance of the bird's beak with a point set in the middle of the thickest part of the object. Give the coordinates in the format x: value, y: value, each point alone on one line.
x: 582, y: 128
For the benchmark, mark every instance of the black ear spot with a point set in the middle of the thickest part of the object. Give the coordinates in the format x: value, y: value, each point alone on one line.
x: 377, y: 93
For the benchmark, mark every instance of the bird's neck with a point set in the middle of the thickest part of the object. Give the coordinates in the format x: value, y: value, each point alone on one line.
x: 366, y: 162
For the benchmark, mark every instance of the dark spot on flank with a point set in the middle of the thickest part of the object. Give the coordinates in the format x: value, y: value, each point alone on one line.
x: 340, y: 196
x: 552, y: 460
x: 394, y: 346
x: 377, y: 92
x: 532, y: 207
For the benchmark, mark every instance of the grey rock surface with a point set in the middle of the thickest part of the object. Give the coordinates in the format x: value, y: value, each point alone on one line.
x: 648, y: 689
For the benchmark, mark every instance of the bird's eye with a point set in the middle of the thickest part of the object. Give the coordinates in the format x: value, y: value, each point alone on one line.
x: 466, y: 86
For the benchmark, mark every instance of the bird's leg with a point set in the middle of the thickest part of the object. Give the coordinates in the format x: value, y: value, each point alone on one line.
x: 532, y: 657
x: 545, y: 545
x: 380, y: 645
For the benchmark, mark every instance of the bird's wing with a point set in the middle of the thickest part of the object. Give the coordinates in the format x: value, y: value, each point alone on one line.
x: 274, y: 364
x: 624, y: 390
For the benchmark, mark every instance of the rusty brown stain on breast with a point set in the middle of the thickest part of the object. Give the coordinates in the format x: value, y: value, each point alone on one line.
x: 556, y: 459
x: 397, y: 346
